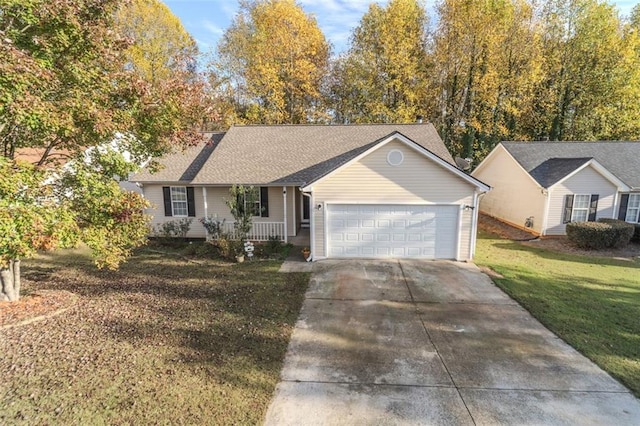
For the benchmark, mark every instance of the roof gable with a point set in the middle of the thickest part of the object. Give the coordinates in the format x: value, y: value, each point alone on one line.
x: 556, y: 169
x: 396, y: 136
x: 620, y: 159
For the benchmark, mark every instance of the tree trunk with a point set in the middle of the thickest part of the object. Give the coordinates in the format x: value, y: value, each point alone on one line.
x: 10, y: 281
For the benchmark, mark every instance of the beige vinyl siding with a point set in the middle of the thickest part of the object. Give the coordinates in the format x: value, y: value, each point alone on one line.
x: 371, y: 180
x: 216, y: 205
x: 153, y: 193
x: 586, y: 181
x: 514, y: 195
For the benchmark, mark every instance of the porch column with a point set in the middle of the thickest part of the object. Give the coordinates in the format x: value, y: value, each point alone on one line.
x: 284, y: 198
x: 204, y: 198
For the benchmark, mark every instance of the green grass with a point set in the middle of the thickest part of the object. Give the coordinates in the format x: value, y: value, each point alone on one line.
x: 165, y: 340
x: 593, y: 303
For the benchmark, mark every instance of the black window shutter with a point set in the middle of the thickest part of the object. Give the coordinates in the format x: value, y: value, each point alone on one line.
x: 264, y: 201
x: 191, y: 202
x: 166, y: 193
x: 593, y: 207
x: 240, y: 202
x: 568, y: 208
x: 624, y: 202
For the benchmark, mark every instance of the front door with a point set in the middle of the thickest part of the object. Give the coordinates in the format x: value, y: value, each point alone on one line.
x: 305, y: 211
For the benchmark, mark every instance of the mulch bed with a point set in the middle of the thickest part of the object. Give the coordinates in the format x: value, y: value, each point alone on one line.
x: 559, y: 243
x: 42, y: 303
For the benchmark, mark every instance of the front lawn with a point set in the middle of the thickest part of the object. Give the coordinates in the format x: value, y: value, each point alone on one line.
x: 165, y: 340
x: 593, y: 303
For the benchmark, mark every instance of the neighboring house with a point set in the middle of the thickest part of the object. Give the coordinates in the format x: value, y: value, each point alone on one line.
x: 363, y: 190
x: 543, y: 186
x: 64, y: 158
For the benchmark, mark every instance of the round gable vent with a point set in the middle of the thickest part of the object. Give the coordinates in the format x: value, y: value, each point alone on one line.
x: 395, y: 157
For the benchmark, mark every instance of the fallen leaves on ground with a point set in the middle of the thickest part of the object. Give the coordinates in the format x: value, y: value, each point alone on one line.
x: 162, y: 340
x: 38, y: 304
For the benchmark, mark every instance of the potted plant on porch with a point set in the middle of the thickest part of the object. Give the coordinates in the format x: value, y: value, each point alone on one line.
x: 306, y: 252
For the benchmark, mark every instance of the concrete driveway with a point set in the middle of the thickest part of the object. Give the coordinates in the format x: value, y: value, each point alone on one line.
x: 418, y: 342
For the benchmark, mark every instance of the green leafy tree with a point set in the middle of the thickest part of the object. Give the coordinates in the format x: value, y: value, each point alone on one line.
x: 65, y: 85
x: 384, y: 75
x: 31, y: 219
x: 242, y: 201
x: 271, y: 63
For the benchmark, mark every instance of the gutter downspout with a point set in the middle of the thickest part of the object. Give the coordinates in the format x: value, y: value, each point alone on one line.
x: 474, y: 223
x: 545, y: 220
x: 284, y: 198
x: 206, y: 210
x: 312, y: 224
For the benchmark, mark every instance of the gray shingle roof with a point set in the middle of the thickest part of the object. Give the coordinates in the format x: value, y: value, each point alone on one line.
x: 181, y: 166
x: 298, y: 154
x: 620, y: 158
x: 554, y: 169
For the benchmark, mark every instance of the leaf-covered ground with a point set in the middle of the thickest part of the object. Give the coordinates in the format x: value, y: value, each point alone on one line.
x: 163, y: 340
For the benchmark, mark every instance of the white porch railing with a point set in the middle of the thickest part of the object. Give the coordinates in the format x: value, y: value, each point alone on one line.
x: 261, y: 231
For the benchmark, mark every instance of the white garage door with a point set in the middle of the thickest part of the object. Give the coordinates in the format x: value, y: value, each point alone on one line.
x: 374, y: 230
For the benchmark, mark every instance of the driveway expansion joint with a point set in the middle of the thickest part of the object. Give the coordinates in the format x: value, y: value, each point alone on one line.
x: 403, y: 385
x: 404, y: 278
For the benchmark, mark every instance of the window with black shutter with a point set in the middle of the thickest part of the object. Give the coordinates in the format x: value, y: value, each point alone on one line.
x: 580, y: 208
x: 568, y: 208
x: 624, y: 202
x: 264, y: 201
x: 179, y: 201
x: 166, y: 193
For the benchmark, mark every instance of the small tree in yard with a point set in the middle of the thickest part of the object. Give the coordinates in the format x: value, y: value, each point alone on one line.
x: 66, y: 86
x: 30, y: 220
x: 242, y: 204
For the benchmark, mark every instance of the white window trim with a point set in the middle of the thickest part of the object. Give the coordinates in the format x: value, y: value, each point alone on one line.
x: 185, y: 201
x: 258, y: 201
x: 628, y: 218
x: 574, y: 208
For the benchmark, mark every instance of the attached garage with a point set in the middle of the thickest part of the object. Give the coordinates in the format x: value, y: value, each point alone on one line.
x: 392, y: 230
x: 394, y: 199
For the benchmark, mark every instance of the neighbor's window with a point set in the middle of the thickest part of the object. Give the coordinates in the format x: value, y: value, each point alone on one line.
x: 580, y: 208
x: 633, y: 208
x: 179, y: 201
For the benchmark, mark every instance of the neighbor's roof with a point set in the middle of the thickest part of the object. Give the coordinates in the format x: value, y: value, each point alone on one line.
x: 181, y: 166
x: 33, y: 155
x: 620, y: 158
x: 555, y: 169
x: 298, y: 154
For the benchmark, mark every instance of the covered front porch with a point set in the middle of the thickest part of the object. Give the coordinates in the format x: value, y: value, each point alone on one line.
x: 285, y: 213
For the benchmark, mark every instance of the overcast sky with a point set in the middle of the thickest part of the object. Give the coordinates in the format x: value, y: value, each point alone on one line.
x: 206, y: 20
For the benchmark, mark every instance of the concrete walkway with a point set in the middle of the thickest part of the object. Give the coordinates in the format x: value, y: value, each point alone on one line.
x: 416, y: 342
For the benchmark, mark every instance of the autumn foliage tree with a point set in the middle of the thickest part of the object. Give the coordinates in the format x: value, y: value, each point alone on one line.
x: 384, y: 75
x: 160, y: 44
x: 494, y: 70
x: 271, y: 63
x: 65, y: 85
